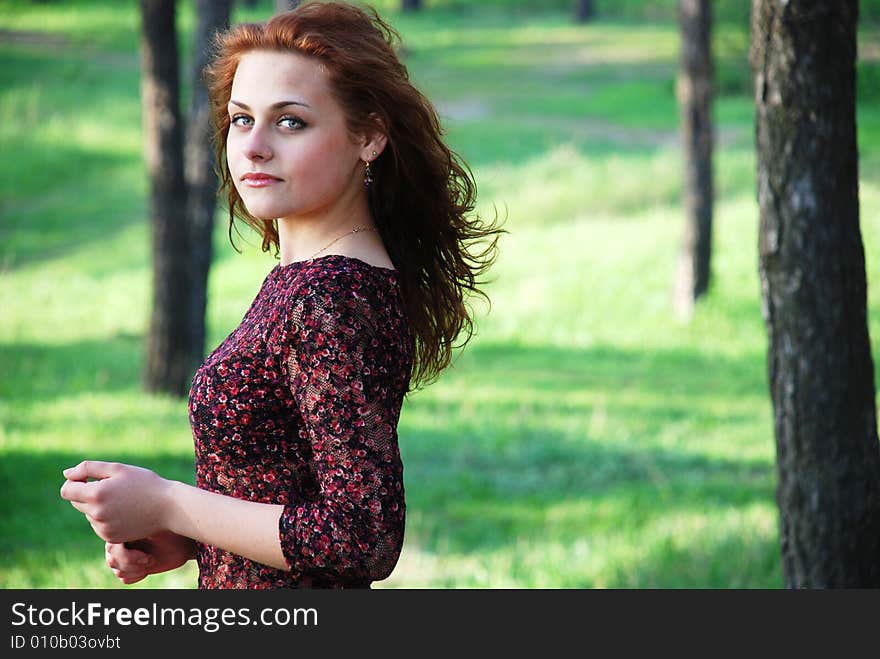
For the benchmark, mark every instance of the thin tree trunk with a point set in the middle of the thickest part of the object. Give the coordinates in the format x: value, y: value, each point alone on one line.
x: 201, y: 178
x: 166, y: 359
x: 812, y: 270
x: 410, y: 5
x: 583, y: 11
x: 695, y: 102
x: 285, y: 5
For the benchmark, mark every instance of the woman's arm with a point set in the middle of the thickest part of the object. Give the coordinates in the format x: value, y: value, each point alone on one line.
x: 346, y: 366
x: 127, y: 503
x: 242, y: 527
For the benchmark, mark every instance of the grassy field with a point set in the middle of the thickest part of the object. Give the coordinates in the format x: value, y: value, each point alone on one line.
x: 584, y: 439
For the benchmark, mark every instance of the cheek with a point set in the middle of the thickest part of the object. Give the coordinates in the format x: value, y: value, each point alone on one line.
x: 330, y: 150
x: 235, y: 184
x: 312, y: 156
x: 233, y: 151
x: 234, y: 167
x: 326, y: 164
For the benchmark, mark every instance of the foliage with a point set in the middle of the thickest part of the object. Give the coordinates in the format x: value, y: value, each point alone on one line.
x: 736, y: 11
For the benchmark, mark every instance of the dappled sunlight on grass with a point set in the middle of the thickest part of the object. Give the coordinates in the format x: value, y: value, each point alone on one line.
x: 567, y: 185
x: 74, y: 563
x: 99, y: 424
x: 687, y: 549
x: 109, y: 307
x: 695, y: 550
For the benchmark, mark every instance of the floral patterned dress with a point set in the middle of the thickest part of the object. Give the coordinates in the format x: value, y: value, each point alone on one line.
x: 299, y: 406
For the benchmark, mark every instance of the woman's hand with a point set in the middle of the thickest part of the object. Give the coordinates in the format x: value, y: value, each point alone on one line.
x: 124, y: 503
x: 164, y: 551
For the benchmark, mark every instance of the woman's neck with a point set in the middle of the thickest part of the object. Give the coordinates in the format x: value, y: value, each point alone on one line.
x: 300, y: 238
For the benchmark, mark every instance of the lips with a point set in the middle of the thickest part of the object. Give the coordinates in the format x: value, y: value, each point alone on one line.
x: 259, y: 180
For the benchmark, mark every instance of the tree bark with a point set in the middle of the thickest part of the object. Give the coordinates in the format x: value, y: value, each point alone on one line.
x: 695, y: 103
x: 166, y: 359
x: 410, y: 5
x: 583, y: 11
x: 201, y: 178
x: 285, y: 5
x: 812, y: 270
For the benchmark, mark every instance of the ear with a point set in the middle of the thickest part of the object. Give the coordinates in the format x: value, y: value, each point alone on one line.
x: 373, y: 142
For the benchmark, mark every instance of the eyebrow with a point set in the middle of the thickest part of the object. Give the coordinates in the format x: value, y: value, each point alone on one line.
x: 274, y: 106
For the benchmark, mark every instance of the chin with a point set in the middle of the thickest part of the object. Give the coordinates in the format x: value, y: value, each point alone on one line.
x: 265, y: 212
x: 261, y: 216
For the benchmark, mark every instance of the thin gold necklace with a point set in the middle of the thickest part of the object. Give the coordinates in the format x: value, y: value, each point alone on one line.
x: 355, y: 230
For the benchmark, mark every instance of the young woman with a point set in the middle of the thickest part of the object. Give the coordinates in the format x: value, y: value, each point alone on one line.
x: 337, y: 160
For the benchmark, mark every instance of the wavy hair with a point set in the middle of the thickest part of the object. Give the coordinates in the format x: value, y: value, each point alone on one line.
x: 423, y: 194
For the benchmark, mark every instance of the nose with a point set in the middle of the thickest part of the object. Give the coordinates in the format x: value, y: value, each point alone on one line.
x: 256, y: 147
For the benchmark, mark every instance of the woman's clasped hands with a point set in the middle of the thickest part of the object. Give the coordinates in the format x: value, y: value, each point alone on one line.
x: 127, y: 507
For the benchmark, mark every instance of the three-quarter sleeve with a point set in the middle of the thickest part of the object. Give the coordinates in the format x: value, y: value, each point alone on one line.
x: 340, y: 369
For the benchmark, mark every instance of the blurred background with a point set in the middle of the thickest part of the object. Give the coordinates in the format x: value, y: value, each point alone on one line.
x: 588, y: 436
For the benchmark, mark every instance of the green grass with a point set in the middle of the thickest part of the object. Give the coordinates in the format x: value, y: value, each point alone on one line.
x: 585, y: 438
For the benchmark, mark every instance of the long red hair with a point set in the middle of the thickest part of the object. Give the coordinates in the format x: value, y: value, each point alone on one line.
x: 422, y: 197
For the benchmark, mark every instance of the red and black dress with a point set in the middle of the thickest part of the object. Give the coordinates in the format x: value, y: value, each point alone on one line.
x: 299, y: 406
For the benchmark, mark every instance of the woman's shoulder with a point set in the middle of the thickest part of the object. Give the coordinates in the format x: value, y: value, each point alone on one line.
x: 338, y: 300
x: 340, y: 283
x: 333, y: 274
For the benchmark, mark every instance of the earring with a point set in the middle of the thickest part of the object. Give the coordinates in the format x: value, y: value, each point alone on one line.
x: 368, y: 175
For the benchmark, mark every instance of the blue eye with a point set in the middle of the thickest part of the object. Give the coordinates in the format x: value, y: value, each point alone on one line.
x: 240, y: 120
x: 294, y: 123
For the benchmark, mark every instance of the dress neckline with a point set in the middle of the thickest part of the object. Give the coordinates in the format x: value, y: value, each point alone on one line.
x: 295, y: 264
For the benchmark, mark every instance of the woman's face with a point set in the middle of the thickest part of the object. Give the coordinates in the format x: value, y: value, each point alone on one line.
x: 289, y: 150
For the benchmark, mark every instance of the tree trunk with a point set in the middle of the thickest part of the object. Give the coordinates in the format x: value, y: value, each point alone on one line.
x: 201, y: 178
x: 695, y: 102
x: 285, y: 5
x: 166, y: 359
x: 583, y: 11
x: 812, y: 270
x: 410, y: 5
